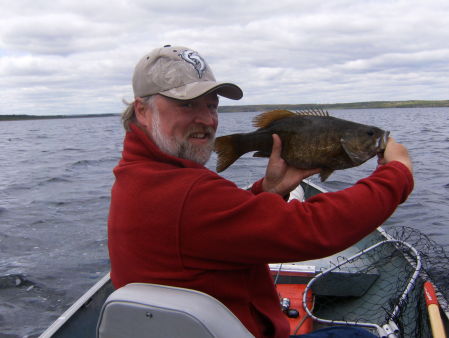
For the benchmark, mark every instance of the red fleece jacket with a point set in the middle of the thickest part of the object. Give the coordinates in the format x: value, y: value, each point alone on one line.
x: 175, y: 222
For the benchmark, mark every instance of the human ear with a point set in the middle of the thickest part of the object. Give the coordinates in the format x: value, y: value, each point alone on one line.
x: 140, y: 110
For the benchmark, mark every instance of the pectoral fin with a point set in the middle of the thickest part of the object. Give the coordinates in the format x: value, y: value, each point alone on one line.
x: 261, y: 154
x: 325, y: 173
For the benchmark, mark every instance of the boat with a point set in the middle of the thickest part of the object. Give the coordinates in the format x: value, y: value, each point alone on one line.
x: 376, y: 284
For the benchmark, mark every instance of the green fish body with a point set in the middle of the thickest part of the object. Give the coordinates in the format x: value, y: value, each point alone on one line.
x: 310, y: 139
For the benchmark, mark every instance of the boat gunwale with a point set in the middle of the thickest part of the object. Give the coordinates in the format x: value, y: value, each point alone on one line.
x: 80, y: 302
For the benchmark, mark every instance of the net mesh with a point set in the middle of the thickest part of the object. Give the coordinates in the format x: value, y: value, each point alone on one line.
x: 381, y: 297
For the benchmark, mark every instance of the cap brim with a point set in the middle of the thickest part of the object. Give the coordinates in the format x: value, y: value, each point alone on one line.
x: 195, y: 89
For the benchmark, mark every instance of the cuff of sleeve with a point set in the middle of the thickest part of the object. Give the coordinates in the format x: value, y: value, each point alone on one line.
x: 406, y: 174
x: 256, y: 188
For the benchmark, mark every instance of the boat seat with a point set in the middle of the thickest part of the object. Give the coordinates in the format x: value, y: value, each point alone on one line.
x: 152, y: 310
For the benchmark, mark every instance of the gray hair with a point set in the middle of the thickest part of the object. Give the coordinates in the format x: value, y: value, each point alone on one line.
x: 129, y: 115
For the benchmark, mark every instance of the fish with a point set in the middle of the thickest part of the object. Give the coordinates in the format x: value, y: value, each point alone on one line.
x: 311, y: 139
x: 195, y: 60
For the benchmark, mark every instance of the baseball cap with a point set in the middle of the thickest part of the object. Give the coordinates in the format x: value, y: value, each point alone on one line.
x: 179, y: 73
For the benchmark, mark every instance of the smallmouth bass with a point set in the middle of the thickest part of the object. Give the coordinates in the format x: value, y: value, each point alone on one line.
x: 310, y: 139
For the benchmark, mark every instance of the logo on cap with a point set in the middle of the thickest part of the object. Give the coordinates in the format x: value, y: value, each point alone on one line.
x: 194, y: 59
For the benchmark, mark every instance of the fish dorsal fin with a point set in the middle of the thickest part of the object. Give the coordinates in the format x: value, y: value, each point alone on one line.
x: 265, y: 119
x: 313, y: 112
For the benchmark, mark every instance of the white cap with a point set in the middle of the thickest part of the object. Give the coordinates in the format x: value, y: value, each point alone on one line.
x: 179, y: 73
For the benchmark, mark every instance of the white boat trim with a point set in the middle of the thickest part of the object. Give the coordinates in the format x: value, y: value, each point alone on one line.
x: 84, y: 299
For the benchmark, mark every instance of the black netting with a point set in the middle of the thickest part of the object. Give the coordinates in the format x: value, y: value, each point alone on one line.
x: 383, y: 274
x: 435, y: 259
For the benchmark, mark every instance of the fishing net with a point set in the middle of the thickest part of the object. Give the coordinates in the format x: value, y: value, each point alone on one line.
x: 435, y: 262
x: 381, y: 287
x: 435, y: 259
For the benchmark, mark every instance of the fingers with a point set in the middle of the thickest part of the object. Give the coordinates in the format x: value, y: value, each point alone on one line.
x: 281, y: 178
x: 396, y: 152
x: 311, y: 172
x: 275, y: 160
x: 277, y: 147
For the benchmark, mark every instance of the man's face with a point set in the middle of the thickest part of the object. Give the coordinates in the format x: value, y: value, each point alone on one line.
x: 184, y: 129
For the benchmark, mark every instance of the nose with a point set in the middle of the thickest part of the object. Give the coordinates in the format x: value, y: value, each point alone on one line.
x: 207, y: 116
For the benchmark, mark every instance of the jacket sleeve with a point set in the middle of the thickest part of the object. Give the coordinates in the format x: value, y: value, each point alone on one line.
x: 256, y: 188
x: 223, y: 226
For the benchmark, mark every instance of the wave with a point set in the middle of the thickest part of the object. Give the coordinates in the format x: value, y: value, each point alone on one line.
x: 73, y: 149
x: 98, y: 161
x: 57, y: 180
x: 84, y: 163
x: 14, y: 139
x: 53, y: 180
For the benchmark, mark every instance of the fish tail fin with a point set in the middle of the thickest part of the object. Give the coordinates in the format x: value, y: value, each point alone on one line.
x: 227, y: 151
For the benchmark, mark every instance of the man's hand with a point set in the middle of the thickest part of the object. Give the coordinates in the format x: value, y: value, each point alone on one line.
x: 395, y: 152
x: 280, y: 178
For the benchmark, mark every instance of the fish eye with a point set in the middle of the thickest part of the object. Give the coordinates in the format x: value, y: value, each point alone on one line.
x: 370, y: 133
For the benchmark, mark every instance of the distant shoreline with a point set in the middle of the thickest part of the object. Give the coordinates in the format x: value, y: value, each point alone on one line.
x: 267, y: 107
x: 353, y: 105
x: 49, y: 117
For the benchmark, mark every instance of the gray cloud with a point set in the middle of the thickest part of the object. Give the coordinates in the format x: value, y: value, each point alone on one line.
x: 77, y: 57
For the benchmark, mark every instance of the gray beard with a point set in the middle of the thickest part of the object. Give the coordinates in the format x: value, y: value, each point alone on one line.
x: 182, y: 149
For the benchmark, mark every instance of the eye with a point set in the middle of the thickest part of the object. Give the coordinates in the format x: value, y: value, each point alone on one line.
x: 187, y: 104
x: 370, y: 133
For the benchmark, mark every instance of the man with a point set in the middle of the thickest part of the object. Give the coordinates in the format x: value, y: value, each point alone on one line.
x: 174, y: 222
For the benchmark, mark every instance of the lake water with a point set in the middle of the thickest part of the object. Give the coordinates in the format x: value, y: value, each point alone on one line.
x: 55, y: 180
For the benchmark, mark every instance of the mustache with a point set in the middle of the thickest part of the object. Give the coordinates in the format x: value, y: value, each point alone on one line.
x: 209, y: 131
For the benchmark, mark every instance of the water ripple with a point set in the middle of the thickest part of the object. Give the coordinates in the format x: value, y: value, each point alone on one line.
x: 55, y: 188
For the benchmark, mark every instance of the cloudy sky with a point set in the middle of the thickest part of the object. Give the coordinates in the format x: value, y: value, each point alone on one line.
x: 77, y: 56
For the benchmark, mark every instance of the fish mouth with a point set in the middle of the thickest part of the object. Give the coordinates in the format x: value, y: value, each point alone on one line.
x: 382, y: 142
